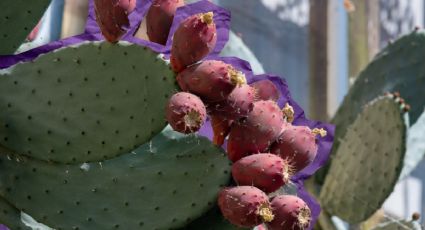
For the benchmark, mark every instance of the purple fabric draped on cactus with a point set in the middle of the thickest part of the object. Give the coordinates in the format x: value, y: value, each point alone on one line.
x: 222, y: 20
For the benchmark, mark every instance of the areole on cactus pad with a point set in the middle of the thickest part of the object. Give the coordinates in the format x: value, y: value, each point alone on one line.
x: 100, y: 97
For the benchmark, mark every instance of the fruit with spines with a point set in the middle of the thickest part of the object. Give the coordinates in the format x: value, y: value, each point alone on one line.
x: 266, y: 90
x: 194, y: 39
x: 160, y: 18
x: 211, y: 80
x: 244, y: 206
x: 236, y: 106
x: 185, y: 112
x: 290, y: 213
x: 127, y: 5
x: 112, y: 19
x: 297, y: 145
x: 257, y: 132
x: 265, y: 171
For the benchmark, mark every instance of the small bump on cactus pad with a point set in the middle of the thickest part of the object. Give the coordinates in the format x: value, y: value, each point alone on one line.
x: 85, y: 103
x: 17, y: 19
x: 368, y: 162
x: 163, y: 184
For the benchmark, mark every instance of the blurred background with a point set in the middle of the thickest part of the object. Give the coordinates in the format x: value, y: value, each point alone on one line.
x: 318, y: 46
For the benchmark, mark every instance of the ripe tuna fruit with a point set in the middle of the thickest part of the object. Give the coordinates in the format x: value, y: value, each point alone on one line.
x: 111, y: 18
x: 127, y: 5
x: 193, y: 40
x: 185, y: 112
x: 257, y: 132
x: 297, y: 144
x: 160, y: 18
x: 237, y: 105
x: 211, y: 80
x: 290, y: 213
x: 265, y: 171
x: 266, y: 90
x: 244, y: 206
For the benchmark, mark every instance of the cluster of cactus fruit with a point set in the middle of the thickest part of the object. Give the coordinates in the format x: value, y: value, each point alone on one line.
x: 263, y: 141
x: 265, y: 148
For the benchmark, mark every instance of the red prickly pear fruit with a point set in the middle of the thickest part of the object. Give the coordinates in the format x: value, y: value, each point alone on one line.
x: 193, y: 40
x: 244, y: 206
x: 261, y: 227
x: 266, y: 90
x: 127, y: 5
x: 257, y: 132
x: 185, y: 112
x: 265, y: 171
x: 160, y: 18
x: 297, y: 145
x: 111, y: 18
x: 221, y: 128
x: 237, y: 105
x: 290, y: 213
x: 211, y: 80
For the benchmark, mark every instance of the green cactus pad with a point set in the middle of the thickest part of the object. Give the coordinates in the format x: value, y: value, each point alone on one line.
x: 85, y: 103
x: 17, y: 19
x: 367, y: 164
x: 212, y: 220
x: 399, y: 67
x: 163, y: 184
x: 11, y: 216
x: 398, y: 225
x: 235, y: 47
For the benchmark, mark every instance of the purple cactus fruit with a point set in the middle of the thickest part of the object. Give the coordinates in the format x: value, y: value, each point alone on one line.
x: 256, y: 132
x: 237, y: 105
x: 185, y: 112
x: 193, y: 40
x: 160, y: 18
x: 211, y: 80
x: 244, y: 206
x: 127, y: 5
x: 266, y: 90
x: 290, y: 213
x: 265, y: 171
x: 297, y: 144
x: 111, y: 18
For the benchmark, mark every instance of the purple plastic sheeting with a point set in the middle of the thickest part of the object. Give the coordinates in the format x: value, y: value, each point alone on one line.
x: 222, y: 20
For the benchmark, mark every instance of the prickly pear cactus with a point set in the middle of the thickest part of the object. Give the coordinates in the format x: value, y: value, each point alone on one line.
x: 372, y: 151
x: 163, y: 177
x: 399, y: 67
x: 85, y: 103
x: 11, y: 216
x: 17, y: 18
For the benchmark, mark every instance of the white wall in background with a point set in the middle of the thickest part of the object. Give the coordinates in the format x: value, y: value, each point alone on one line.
x: 406, y: 198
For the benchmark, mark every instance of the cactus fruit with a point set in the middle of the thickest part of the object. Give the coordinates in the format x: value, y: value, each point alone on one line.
x: 159, y: 19
x: 372, y: 151
x: 155, y: 186
x: 265, y: 171
x: 112, y: 19
x: 211, y: 80
x: 193, y: 40
x: 97, y: 104
x: 266, y: 90
x: 257, y: 132
x: 185, y: 112
x: 297, y: 145
x: 244, y: 206
x: 127, y: 5
x: 290, y: 212
x: 237, y: 105
x: 18, y: 17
